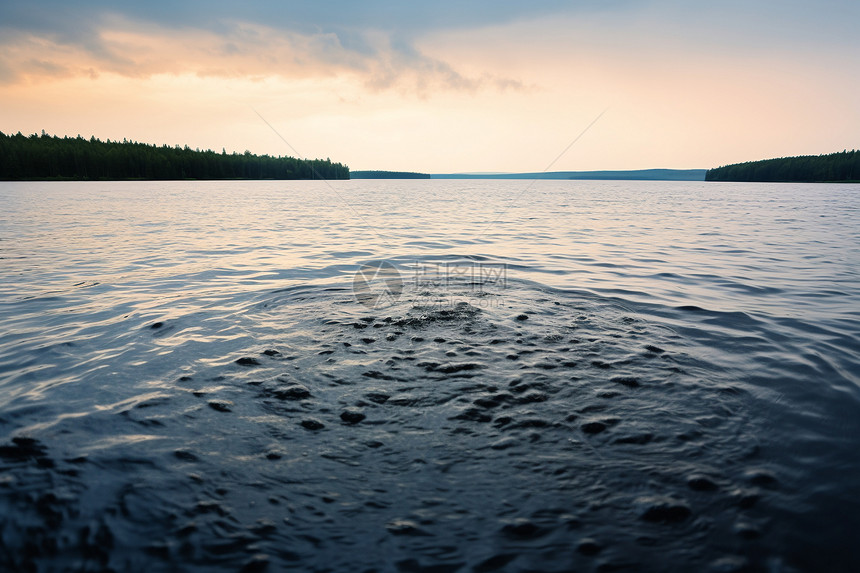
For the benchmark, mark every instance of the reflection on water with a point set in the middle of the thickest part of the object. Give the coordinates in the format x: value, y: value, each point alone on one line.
x: 615, y: 374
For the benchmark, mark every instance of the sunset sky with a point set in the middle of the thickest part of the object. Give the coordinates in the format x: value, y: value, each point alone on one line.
x: 447, y: 86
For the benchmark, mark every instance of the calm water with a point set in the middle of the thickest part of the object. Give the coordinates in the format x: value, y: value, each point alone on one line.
x: 429, y: 376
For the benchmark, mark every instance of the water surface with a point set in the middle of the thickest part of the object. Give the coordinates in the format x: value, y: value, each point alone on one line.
x: 564, y: 375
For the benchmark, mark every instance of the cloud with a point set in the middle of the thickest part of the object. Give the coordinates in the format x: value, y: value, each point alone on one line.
x: 373, y: 41
x: 72, y: 19
x: 247, y: 51
x: 7, y: 74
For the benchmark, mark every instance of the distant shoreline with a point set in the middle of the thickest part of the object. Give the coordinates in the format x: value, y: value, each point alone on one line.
x: 364, y: 174
x: 628, y: 175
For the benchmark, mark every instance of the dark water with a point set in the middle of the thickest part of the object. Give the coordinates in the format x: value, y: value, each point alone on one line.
x: 549, y: 377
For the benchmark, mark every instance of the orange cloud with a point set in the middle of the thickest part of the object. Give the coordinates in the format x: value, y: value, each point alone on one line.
x: 245, y: 50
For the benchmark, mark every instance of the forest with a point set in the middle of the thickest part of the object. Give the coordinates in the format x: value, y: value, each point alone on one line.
x: 843, y: 166
x: 47, y: 157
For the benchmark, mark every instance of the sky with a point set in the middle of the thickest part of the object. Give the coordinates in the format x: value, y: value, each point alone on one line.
x: 442, y: 87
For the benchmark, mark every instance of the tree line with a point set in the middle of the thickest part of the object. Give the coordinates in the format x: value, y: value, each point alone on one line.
x: 38, y: 157
x: 843, y: 166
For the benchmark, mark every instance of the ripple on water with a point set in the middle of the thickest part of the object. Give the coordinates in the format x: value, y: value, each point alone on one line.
x: 565, y: 429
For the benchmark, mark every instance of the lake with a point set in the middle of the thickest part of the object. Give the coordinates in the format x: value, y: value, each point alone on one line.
x: 429, y: 375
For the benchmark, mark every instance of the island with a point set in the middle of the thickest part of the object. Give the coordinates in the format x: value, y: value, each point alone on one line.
x: 834, y: 167
x: 46, y: 157
x: 387, y: 175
